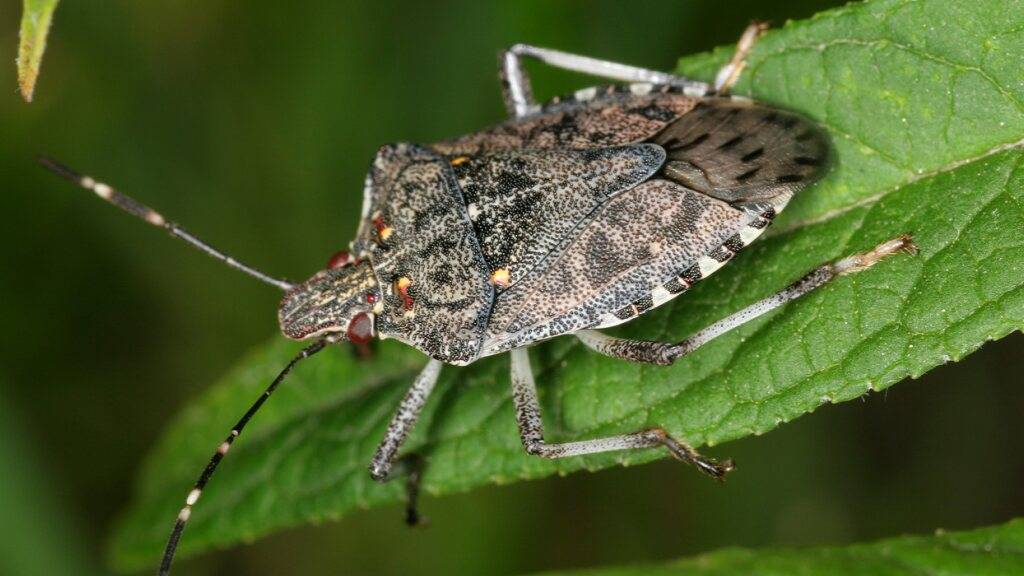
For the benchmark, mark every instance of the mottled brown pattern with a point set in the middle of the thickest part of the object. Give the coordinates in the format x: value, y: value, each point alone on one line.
x: 325, y: 302
x: 636, y: 242
x: 560, y: 208
x: 609, y: 119
x: 412, y: 190
x: 523, y: 203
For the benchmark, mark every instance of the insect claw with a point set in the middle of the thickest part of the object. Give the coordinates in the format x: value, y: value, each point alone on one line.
x: 908, y: 245
x: 717, y: 470
x: 414, y: 520
x: 858, y: 262
x: 685, y: 453
x: 379, y: 475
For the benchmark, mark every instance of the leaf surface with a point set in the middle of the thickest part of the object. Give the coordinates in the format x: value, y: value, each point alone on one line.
x: 35, y: 25
x: 923, y: 101
x: 994, y: 550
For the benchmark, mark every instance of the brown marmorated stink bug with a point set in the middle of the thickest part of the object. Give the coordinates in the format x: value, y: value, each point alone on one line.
x: 572, y: 216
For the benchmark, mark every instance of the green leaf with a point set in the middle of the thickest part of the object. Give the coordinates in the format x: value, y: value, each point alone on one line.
x: 994, y: 550
x: 35, y: 24
x: 923, y: 100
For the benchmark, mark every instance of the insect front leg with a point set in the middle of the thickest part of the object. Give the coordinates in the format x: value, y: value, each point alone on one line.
x: 411, y: 468
x: 403, y: 420
x: 531, y: 429
x: 664, y: 353
x: 518, y: 94
x: 381, y: 467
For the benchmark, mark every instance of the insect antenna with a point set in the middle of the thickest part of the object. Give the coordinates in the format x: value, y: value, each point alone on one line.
x: 222, y: 450
x: 135, y: 208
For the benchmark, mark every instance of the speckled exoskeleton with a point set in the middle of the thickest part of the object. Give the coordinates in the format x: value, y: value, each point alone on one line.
x: 572, y: 216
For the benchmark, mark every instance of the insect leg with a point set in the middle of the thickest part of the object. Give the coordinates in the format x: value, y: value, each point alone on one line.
x: 667, y: 353
x: 516, y: 83
x: 531, y: 429
x: 403, y: 420
x: 222, y: 450
x: 411, y: 466
x: 642, y: 351
x: 730, y: 73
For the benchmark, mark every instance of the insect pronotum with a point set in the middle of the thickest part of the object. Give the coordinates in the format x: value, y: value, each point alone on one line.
x: 579, y: 214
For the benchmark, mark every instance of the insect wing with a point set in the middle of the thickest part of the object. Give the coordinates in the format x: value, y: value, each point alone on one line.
x: 742, y: 152
x: 730, y: 166
x: 623, y: 258
x: 523, y: 203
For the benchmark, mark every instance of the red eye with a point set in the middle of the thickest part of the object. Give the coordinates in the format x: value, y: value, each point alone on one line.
x: 340, y: 259
x: 371, y: 298
x: 360, y: 329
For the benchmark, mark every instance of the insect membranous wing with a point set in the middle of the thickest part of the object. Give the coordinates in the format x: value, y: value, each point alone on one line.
x: 730, y: 166
x: 523, y: 203
x: 415, y: 230
x: 742, y: 152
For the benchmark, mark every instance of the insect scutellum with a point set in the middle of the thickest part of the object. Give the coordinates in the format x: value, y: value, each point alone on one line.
x: 570, y: 217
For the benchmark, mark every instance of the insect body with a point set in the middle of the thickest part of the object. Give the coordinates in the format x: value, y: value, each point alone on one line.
x: 573, y: 216
x: 560, y: 222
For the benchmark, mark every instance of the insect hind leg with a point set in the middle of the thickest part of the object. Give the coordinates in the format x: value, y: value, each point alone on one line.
x: 531, y: 429
x: 730, y: 73
x: 664, y: 353
x: 518, y: 93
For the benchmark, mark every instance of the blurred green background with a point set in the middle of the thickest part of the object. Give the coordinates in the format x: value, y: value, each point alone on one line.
x: 252, y: 123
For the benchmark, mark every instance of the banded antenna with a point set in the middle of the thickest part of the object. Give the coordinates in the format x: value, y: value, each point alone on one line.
x: 222, y: 450
x: 135, y: 208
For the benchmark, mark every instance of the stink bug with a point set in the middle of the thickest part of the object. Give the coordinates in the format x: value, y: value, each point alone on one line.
x: 572, y: 216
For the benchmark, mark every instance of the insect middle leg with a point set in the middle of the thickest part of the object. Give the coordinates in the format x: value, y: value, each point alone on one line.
x: 515, y: 82
x: 664, y: 353
x: 383, y: 464
x: 531, y: 429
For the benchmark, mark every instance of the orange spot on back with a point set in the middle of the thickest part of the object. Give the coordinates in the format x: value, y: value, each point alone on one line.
x: 501, y: 277
x: 402, y: 287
